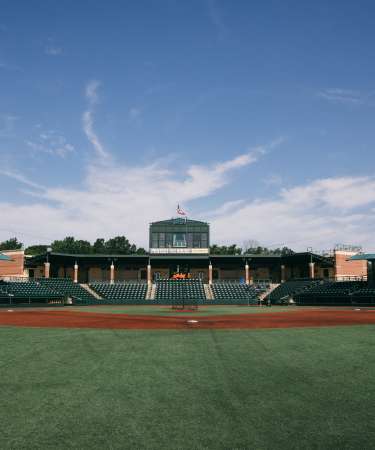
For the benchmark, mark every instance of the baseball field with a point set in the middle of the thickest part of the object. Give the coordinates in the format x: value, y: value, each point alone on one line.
x: 193, y: 386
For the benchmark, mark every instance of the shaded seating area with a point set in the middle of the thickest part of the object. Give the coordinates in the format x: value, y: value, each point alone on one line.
x: 66, y: 288
x: 179, y: 291
x: 289, y: 289
x: 365, y: 294
x: 27, y: 292
x: 332, y: 293
x: 121, y: 293
x: 227, y: 293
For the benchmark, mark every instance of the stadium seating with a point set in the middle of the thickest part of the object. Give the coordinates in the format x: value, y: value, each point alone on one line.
x: 179, y: 291
x: 66, y: 288
x: 121, y: 293
x: 331, y: 293
x: 233, y: 293
x: 365, y: 294
x: 287, y: 290
x: 27, y: 292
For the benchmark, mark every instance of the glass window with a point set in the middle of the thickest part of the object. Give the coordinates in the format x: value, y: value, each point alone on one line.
x: 161, y: 240
x: 154, y: 240
x: 204, y: 241
x: 168, y: 239
x: 197, y: 240
x: 179, y: 240
x: 189, y: 240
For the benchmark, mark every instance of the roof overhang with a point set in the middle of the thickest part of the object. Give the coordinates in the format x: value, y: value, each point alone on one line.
x: 363, y: 257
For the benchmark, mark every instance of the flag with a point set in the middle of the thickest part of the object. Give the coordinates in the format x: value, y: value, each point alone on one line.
x: 180, y: 211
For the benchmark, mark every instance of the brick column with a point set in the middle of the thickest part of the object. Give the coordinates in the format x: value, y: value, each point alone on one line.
x: 210, y: 273
x: 247, y: 273
x: 47, y: 267
x: 311, y: 270
x: 75, y: 280
x: 282, y: 270
x: 112, y: 273
x: 149, y: 278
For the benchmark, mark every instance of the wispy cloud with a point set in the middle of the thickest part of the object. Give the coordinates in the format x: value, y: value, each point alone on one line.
x: 91, y: 92
x: 21, y: 178
x: 119, y: 198
x: 51, y: 143
x: 318, y: 214
x: 346, y: 96
x: 52, y: 50
x: 7, y: 66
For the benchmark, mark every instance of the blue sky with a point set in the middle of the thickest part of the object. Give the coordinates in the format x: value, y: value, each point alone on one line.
x: 255, y: 116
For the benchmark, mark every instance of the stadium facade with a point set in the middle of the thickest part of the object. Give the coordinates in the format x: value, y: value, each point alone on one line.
x: 181, y: 246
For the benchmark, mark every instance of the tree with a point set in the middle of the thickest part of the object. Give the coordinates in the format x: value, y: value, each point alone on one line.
x: 71, y: 245
x: 224, y: 250
x: 36, y: 250
x: 11, y: 244
x: 119, y: 245
x: 99, y: 246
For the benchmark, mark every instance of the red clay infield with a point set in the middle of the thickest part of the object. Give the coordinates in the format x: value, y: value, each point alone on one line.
x: 292, y: 319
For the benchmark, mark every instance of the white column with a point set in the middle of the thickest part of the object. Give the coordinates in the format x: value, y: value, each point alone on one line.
x: 47, y: 267
x: 112, y: 273
x: 282, y: 270
x: 311, y: 270
x: 75, y: 280
x: 210, y: 274
x: 247, y: 273
x: 149, y: 279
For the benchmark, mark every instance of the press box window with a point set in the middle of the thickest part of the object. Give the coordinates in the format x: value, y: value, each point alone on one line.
x: 179, y: 240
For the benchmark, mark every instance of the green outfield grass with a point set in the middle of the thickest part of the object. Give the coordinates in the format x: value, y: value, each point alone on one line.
x: 156, y: 310
x: 257, y: 389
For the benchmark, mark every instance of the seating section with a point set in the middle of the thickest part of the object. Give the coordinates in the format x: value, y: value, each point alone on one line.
x: 333, y: 293
x: 66, y: 287
x: 365, y: 294
x: 179, y: 291
x: 234, y: 293
x: 287, y: 290
x: 16, y: 292
x: 121, y: 293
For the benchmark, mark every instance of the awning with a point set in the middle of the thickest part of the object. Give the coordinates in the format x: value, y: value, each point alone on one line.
x: 363, y: 256
x: 4, y: 257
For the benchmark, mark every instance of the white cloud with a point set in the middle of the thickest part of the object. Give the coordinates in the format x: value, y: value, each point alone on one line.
x: 88, y: 119
x: 51, y: 143
x: 20, y: 178
x: 52, y: 50
x: 122, y: 199
x: 338, y: 95
x: 316, y: 215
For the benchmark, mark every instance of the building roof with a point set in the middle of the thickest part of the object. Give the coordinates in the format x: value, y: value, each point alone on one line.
x: 363, y: 256
x: 179, y: 221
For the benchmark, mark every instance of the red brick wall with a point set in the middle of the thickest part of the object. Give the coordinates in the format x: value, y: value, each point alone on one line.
x: 15, y: 266
x: 344, y: 268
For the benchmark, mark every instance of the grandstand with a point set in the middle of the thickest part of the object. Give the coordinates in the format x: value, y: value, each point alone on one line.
x: 227, y: 293
x: 179, y: 267
x: 334, y: 293
x: 285, y: 292
x: 32, y: 292
x: 121, y: 293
